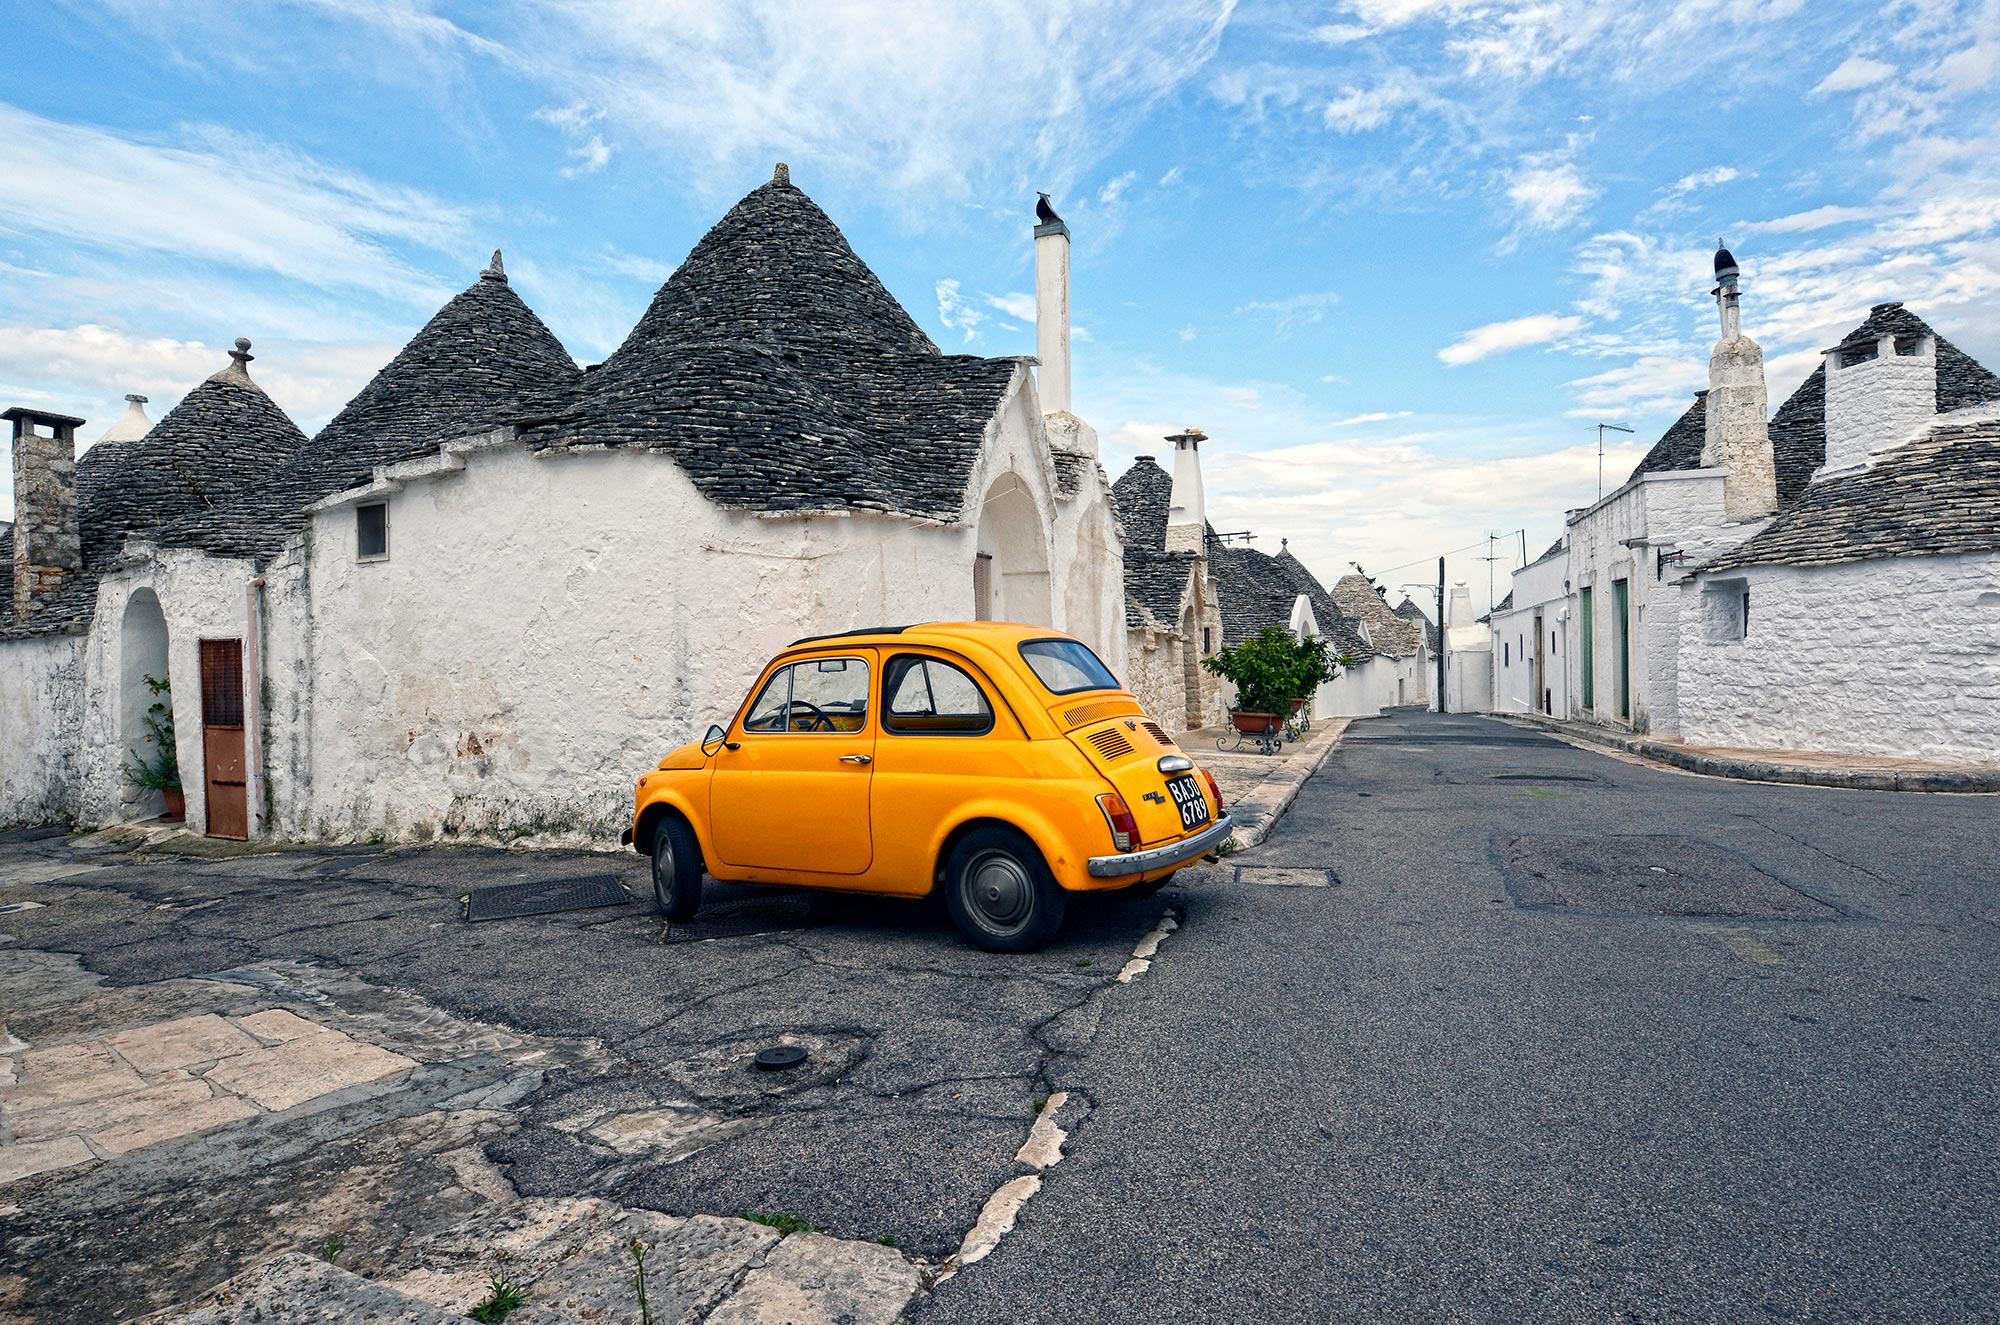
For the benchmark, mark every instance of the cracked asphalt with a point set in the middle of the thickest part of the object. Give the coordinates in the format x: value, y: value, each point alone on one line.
x: 1557, y: 1037
x: 1755, y: 1083
x: 927, y: 1057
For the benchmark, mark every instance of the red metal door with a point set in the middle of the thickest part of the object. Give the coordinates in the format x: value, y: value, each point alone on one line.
x: 222, y: 738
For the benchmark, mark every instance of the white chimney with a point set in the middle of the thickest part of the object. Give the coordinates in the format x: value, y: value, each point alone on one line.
x: 1187, y: 509
x: 1052, y: 308
x: 131, y: 426
x: 1880, y: 392
x: 1737, y: 436
x: 1460, y: 611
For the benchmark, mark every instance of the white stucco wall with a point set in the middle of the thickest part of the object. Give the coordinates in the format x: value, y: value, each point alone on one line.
x: 201, y: 598
x: 41, y: 713
x: 1622, y: 537
x: 1878, y: 402
x: 1899, y: 657
x: 1540, y: 591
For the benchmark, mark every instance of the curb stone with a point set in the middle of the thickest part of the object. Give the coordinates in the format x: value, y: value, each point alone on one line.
x: 1966, y: 781
x: 1257, y: 813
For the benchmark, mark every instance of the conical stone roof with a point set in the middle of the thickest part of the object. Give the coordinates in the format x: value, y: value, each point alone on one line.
x: 780, y: 374
x: 465, y: 372
x: 223, y: 440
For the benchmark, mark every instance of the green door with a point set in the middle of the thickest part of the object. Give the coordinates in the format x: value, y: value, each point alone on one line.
x: 1624, y: 595
x: 1589, y: 653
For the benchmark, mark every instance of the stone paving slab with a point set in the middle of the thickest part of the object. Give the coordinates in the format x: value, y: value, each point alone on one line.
x: 305, y: 1068
x: 170, y: 1125
x: 1258, y: 789
x: 73, y: 1119
x: 179, y: 1043
x: 296, y: 1289
x: 812, y: 1279
x: 26, y: 1160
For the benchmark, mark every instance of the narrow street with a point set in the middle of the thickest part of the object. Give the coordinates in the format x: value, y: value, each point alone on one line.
x: 1484, y: 1075
x: 1490, y: 1028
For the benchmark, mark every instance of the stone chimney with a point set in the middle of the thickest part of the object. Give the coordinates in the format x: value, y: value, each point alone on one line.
x: 1881, y: 390
x: 1052, y: 308
x: 1738, y: 436
x: 132, y: 424
x: 1187, y: 509
x: 47, y: 547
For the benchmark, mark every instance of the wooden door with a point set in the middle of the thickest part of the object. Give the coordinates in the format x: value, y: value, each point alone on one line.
x: 1539, y: 699
x: 222, y: 745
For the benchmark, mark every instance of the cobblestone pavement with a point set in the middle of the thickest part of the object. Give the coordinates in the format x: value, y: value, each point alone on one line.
x: 211, y: 1062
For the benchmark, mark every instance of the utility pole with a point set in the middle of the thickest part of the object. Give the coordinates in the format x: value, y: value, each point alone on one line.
x: 1600, y: 454
x: 1444, y: 640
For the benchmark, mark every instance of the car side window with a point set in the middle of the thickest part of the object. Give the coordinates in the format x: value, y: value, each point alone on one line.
x: 817, y: 695
x: 931, y: 697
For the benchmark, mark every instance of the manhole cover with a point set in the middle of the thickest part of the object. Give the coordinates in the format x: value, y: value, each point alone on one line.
x: 1285, y: 876
x: 543, y: 897
x: 1656, y: 875
x: 750, y: 915
x: 780, y: 1057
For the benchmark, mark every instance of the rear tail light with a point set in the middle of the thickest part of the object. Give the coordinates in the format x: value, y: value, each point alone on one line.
x: 1124, y: 828
x: 1213, y: 790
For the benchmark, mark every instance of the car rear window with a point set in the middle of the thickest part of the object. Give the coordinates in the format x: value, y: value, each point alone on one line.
x: 1065, y: 666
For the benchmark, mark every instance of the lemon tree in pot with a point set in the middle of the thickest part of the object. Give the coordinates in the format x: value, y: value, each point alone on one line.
x: 158, y: 768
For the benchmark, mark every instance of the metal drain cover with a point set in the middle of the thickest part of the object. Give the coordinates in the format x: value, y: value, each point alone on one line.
x: 1285, y: 876
x: 750, y: 915
x: 780, y: 1057
x: 543, y: 897
x: 1650, y: 875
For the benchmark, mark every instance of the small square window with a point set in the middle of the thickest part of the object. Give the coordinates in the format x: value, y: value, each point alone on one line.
x: 371, y: 531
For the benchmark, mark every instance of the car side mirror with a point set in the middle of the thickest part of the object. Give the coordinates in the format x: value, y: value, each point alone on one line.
x: 715, y: 739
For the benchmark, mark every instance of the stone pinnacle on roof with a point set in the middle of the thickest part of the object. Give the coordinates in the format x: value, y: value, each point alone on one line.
x: 781, y: 174
x: 494, y: 271
x: 131, y: 426
x: 239, y: 364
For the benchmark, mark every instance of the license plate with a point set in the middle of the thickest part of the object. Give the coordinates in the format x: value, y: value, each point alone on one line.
x: 1187, y: 795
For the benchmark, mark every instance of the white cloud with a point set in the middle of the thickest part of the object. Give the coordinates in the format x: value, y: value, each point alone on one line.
x: 1187, y: 333
x: 1819, y: 218
x: 1341, y: 34
x: 1854, y: 73
x: 1970, y: 69
x: 1703, y: 179
x: 1294, y: 310
x: 1020, y: 305
x: 1171, y: 178
x: 1114, y: 189
x: 1548, y: 192
x: 956, y: 311
x: 1358, y: 110
x: 571, y: 119
x: 222, y: 198
x: 592, y: 155
x: 1377, y: 417
x: 1500, y: 337
x: 1242, y: 397
x: 1651, y: 383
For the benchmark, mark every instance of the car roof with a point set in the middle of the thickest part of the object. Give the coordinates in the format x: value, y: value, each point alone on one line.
x: 990, y: 633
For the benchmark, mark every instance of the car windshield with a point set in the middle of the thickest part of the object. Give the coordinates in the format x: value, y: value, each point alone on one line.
x: 1066, y: 666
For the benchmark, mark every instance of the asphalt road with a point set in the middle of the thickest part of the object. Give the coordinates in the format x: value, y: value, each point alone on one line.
x: 1622, y: 1044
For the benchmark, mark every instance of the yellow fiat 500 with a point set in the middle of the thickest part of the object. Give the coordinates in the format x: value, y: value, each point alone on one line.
x: 1000, y: 763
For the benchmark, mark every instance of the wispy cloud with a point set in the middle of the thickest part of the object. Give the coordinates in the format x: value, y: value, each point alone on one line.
x: 1547, y: 190
x: 1853, y: 74
x: 1500, y: 337
x: 1293, y: 311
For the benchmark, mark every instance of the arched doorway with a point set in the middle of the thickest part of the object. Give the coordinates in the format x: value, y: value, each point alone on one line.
x: 1013, y: 575
x: 142, y: 653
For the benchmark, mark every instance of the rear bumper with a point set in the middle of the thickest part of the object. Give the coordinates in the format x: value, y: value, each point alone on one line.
x: 1159, y: 858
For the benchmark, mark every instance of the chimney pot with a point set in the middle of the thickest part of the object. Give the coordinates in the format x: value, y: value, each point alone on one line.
x: 1052, y: 314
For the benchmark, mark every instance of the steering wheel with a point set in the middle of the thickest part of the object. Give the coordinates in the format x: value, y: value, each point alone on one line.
x: 818, y: 722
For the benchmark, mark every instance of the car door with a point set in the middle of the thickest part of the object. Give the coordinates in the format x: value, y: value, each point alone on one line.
x: 944, y: 742
x: 793, y: 794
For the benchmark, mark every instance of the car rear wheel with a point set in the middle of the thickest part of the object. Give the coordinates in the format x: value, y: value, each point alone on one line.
x: 1000, y: 892
x: 676, y: 870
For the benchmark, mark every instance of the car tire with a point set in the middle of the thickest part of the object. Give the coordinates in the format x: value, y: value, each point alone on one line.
x: 1151, y: 886
x: 1000, y: 892
x: 676, y: 870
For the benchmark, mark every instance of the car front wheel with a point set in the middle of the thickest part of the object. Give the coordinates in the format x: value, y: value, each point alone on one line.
x: 1000, y: 892
x: 676, y: 870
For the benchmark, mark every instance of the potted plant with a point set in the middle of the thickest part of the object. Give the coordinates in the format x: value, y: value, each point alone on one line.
x: 160, y: 769
x: 1275, y: 674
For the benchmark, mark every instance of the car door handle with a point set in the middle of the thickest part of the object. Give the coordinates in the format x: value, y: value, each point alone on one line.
x: 857, y: 759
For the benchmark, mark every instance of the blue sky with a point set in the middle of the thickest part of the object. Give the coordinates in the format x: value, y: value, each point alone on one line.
x: 1395, y: 256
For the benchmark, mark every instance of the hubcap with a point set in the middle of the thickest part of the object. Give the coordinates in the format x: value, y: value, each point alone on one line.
x: 1000, y: 891
x: 663, y: 870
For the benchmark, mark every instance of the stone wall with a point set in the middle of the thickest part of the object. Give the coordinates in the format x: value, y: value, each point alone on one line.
x: 1895, y: 657
x: 41, y: 711
x: 47, y: 549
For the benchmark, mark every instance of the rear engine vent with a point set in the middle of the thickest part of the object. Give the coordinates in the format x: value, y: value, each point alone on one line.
x: 1153, y: 728
x: 1103, y: 708
x: 1110, y: 743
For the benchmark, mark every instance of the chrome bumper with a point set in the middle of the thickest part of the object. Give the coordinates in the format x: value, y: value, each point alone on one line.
x: 1156, y: 858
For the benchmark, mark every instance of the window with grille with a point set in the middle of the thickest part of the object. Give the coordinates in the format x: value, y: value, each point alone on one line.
x: 222, y: 682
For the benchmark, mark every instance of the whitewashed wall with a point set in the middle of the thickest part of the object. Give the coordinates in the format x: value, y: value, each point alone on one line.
x: 1538, y: 588
x: 1621, y: 538
x: 1897, y: 657
x: 41, y: 714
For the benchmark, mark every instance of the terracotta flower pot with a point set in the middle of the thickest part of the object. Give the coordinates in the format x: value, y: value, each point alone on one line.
x: 1253, y: 724
x: 177, y: 806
